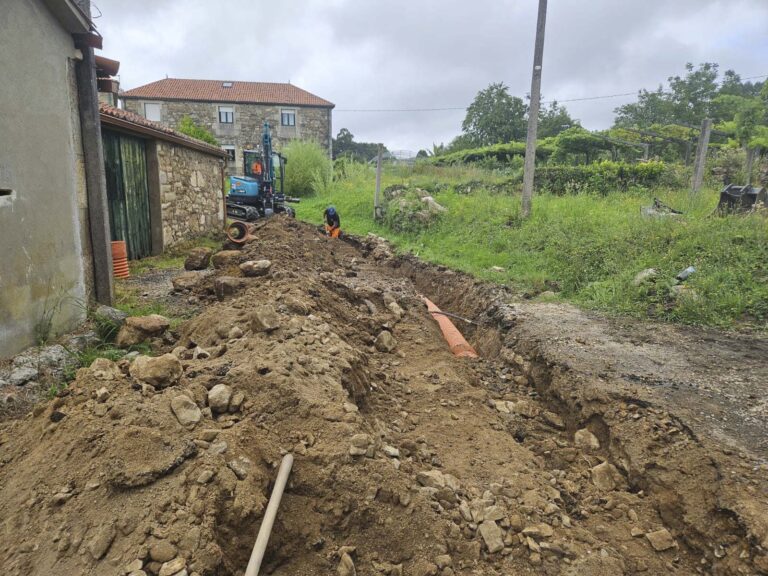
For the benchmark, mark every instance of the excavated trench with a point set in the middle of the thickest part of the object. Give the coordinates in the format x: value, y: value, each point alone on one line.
x: 408, y: 460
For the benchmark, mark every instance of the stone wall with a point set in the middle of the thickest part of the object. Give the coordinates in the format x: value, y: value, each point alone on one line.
x: 245, y: 133
x: 190, y: 192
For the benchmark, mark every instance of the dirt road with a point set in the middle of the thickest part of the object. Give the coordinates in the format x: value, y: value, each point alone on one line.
x: 574, y: 445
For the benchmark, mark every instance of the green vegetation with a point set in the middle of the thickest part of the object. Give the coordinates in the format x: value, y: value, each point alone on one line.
x: 308, y: 168
x: 345, y: 147
x: 586, y: 247
x: 187, y: 126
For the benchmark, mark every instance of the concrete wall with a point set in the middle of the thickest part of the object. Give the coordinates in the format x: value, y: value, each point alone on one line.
x: 42, y: 243
x: 245, y: 133
x: 190, y: 187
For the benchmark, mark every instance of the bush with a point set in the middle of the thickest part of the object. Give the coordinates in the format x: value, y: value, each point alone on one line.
x: 603, y: 177
x: 308, y: 168
x: 187, y: 126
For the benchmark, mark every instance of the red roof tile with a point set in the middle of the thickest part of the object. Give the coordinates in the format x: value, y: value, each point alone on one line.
x: 214, y: 91
x: 106, y: 112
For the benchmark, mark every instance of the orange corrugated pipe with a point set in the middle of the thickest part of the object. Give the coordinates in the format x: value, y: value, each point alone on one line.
x: 120, y: 259
x: 241, y: 232
x: 456, y: 342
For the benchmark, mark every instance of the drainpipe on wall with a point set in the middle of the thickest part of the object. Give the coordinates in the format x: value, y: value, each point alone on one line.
x: 95, y: 181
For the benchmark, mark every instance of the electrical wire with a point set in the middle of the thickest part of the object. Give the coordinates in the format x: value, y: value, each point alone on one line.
x: 452, y: 108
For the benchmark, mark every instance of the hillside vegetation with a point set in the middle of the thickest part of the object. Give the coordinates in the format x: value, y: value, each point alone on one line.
x: 583, y: 247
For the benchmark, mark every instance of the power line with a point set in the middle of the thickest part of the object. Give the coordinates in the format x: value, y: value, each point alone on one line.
x: 451, y: 108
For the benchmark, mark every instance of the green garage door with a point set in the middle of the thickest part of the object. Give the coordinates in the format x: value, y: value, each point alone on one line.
x: 125, y: 166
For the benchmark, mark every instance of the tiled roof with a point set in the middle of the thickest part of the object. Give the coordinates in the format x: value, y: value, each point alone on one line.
x: 215, y: 91
x: 107, y: 112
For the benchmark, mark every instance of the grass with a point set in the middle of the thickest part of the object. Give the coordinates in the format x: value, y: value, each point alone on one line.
x: 174, y: 257
x: 585, y: 248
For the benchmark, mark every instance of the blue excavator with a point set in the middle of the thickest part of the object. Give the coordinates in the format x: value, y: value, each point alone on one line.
x: 259, y: 193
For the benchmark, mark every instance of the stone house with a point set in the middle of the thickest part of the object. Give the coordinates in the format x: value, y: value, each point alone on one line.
x: 236, y: 111
x: 54, y: 229
x: 163, y: 187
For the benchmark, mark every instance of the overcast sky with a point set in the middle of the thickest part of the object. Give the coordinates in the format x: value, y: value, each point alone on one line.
x: 367, y: 54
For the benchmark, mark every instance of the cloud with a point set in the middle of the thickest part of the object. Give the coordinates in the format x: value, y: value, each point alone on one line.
x: 433, y: 54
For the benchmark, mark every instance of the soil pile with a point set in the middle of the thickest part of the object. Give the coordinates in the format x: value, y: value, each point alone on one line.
x: 409, y: 461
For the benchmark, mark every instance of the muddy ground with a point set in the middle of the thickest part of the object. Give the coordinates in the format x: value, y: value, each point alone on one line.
x: 574, y: 445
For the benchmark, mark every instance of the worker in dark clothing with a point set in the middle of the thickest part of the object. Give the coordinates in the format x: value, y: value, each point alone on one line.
x: 332, y: 222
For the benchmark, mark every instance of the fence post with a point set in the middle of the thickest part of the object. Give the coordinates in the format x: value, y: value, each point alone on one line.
x: 701, y: 156
x: 376, y: 206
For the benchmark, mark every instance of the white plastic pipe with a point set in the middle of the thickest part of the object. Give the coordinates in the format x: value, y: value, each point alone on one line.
x: 257, y: 555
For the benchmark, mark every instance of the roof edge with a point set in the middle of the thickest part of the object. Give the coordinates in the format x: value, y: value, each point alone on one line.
x: 126, y: 96
x: 71, y: 17
x: 149, y: 128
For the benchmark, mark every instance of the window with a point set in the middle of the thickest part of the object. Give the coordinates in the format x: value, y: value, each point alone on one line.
x: 227, y: 85
x: 230, y: 150
x: 288, y: 117
x: 152, y: 111
x: 226, y: 115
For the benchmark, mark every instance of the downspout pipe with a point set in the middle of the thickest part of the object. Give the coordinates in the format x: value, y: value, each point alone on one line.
x: 95, y: 181
x: 257, y: 555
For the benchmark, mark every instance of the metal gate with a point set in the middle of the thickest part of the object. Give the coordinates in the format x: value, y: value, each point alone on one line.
x: 125, y: 167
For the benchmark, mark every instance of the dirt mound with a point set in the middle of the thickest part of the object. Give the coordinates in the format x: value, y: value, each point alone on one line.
x: 408, y: 461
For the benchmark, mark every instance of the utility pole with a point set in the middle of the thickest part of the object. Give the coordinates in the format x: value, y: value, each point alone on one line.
x: 701, y: 156
x: 533, y: 112
x: 376, y: 207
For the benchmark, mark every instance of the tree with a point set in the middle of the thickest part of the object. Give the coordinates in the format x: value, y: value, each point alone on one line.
x: 344, y: 145
x: 187, y: 126
x: 687, y: 101
x: 495, y: 117
x: 554, y: 120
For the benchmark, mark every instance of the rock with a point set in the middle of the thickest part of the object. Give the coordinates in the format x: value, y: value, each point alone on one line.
x: 101, y: 541
x: 137, y: 573
x: 492, y: 536
x: 553, y: 420
x: 497, y: 269
x: 105, y: 369
x: 205, y: 477
x: 235, y: 333
x: 139, y: 328
x: 661, y: 540
x: 265, y: 319
x: 219, y: 397
x: 385, y: 342
x: 431, y: 479
x: 360, y: 444
x: 21, y: 375
x: 443, y: 561
x: 160, y: 371
x: 524, y: 408
x: 162, y: 551
x: 395, y: 308
x: 647, y: 275
x: 502, y: 406
x: 185, y: 281
x: 391, y: 451
x: 424, y: 568
x: 604, y: 476
x: 186, y: 411
x: 240, y: 466
x: 172, y: 567
x: 346, y: 567
x: 296, y: 305
x: 198, y: 258
x: 225, y: 258
x: 102, y: 394
x: 134, y: 566
x: 495, y: 513
x: 114, y: 315
x: 538, y: 531
x: 253, y: 268
x: 80, y: 342
x: 586, y: 440
x: 236, y: 402
x: 225, y: 286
